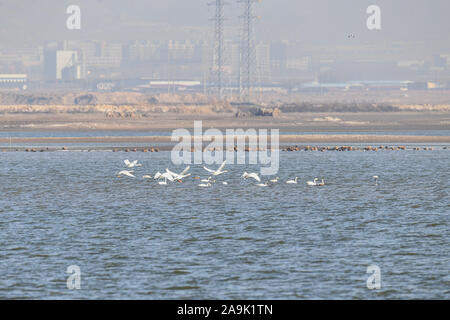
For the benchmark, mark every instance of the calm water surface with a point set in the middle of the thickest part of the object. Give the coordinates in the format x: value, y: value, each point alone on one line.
x: 133, y: 238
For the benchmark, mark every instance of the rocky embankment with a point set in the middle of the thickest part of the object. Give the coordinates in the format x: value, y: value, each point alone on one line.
x: 137, y: 105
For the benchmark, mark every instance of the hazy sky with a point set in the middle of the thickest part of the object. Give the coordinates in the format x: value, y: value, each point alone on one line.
x: 310, y: 21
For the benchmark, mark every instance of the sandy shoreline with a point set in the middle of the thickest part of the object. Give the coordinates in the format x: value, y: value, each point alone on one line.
x: 166, y: 140
x: 299, y: 128
x: 287, y: 122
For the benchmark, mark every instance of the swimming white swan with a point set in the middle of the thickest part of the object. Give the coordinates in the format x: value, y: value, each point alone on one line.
x: 126, y: 173
x: 253, y: 175
x: 132, y: 164
x: 275, y: 180
x: 146, y: 177
x: 376, y: 179
x: 292, y: 181
x: 205, y: 185
x: 210, y: 180
x: 218, y: 171
x: 263, y: 184
x: 312, y: 183
x: 320, y: 184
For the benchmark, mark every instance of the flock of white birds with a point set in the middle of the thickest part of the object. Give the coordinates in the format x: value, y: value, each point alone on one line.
x: 170, y: 176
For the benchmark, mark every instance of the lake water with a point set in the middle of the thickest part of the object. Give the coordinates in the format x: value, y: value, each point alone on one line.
x: 135, y: 239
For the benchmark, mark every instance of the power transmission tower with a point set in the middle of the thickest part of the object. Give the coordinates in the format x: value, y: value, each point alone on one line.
x: 218, y: 55
x: 247, y: 55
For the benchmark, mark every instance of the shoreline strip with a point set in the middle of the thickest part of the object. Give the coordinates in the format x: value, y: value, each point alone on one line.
x: 310, y: 138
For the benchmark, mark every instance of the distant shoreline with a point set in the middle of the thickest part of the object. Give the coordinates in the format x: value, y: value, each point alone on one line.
x: 304, y: 138
x: 349, y: 122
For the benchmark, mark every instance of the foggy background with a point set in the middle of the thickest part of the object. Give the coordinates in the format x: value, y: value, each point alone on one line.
x: 319, y: 21
x: 298, y: 42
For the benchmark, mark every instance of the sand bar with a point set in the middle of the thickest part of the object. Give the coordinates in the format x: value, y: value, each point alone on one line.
x: 306, y: 138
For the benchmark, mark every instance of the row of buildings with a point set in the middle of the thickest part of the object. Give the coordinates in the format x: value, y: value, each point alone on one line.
x: 282, y: 63
x: 70, y: 60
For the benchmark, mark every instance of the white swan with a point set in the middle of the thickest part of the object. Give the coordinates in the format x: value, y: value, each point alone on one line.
x: 146, y: 177
x: 218, y: 171
x: 275, y: 180
x: 253, y: 175
x: 132, y: 164
x: 181, y: 175
x: 225, y: 183
x: 292, y: 181
x: 210, y: 180
x: 321, y: 183
x: 205, y: 185
x: 263, y: 184
x: 312, y: 183
x: 376, y: 179
x: 166, y: 176
x: 127, y: 173
x: 157, y: 175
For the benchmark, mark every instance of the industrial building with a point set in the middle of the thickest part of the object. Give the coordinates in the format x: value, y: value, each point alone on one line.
x: 61, y: 65
x: 18, y: 81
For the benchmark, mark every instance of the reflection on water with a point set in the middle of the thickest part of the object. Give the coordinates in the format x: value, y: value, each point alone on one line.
x: 133, y: 238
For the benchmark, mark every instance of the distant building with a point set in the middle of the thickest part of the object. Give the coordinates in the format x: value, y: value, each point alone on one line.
x: 169, y: 86
x: 94, y: 57
x: 263, y: 64
x: 102, y: 55
x: 439, y: 61
x: 61, y: 65
x: 446, y: 58
x: 278, y: 56
x: 141, y: 51
x: 13, y: 81
x: 362, y: 85
x: 261, y: 68
x: 298, y: 64
x: 26, y: 56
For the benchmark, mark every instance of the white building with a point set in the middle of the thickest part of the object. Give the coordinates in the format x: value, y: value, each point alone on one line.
x: 61, y: 65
